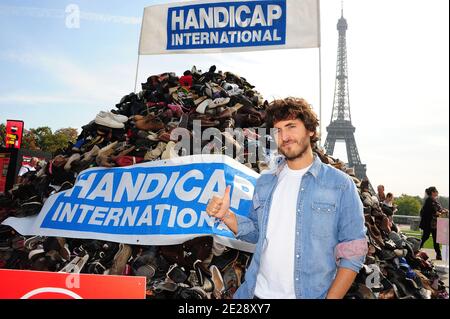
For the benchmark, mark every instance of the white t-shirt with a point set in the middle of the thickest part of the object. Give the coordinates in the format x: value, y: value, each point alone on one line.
x: 275, y: 279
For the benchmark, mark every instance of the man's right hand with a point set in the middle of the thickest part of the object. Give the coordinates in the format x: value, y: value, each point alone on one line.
x: 219, y: 207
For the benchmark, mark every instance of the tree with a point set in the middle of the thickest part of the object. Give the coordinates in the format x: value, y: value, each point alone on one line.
x: 44, y: 139
x: 2, y: 135
x: 29, y: 141
x: 444, y: 201
x: 70, y: 133
x: 408, y: 205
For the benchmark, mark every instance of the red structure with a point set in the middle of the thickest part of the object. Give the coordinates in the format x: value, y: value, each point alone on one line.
x: 14, y: 132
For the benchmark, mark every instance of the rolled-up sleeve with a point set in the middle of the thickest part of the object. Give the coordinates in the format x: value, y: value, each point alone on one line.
x: 248, y: 226
x: 352, y: 245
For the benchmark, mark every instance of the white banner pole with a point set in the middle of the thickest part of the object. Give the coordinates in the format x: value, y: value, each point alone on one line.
x: 137, y: 72
x: 320, y: 72
x: 139, y: 55
x: 320, y: 96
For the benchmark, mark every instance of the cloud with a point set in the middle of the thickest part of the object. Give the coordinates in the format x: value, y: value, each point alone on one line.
x: 60, y: 14
x: 36, y: 99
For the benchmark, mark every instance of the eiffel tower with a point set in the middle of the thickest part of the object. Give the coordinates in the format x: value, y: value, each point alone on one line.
x: 341, y: 128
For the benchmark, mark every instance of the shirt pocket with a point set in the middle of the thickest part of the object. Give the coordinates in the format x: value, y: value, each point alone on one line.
x: 323, y: 218
x: 258, y: 205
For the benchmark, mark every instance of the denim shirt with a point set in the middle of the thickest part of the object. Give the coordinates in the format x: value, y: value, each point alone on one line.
x: 330, y: 231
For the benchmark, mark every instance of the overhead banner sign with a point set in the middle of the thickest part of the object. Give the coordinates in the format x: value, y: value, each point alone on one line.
x: 224, y: 26
x: 155, y: 203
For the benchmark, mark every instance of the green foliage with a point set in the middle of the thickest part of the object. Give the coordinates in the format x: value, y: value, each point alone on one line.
x: 2, y: 135
x: 408, y: 205
x: 444, y: 201
x: 42, y: 138
x: 29, y: 140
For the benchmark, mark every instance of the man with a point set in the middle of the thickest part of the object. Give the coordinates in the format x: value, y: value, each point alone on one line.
x: 306, y: 219
x: 380, y: 195
x: 30, y: 167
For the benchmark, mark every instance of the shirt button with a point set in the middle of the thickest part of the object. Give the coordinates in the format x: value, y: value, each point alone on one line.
x: 298, y: 256
x: 296, y: 279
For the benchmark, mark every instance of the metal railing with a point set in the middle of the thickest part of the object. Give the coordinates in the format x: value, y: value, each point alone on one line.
x: 412, y: 221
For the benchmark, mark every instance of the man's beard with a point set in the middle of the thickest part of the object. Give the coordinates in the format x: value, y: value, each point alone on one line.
x: 294, y: 154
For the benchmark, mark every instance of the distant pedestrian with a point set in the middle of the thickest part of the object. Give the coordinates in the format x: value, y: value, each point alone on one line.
x: 26, y: 168
x: 380, y: 193
x: 388, y: 206
x: 429, y: 213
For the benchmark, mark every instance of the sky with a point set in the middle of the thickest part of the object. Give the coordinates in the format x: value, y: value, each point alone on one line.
x: 398, y: 56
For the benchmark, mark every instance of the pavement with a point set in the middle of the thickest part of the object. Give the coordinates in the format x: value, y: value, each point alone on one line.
x: 441, y: 265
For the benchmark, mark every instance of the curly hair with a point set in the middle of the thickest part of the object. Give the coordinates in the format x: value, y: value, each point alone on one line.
x: 293, y: 109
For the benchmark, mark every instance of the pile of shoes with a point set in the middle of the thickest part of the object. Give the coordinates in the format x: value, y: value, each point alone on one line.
x: 198, y: 269
x: 139, y: 130
x: 395, y: 267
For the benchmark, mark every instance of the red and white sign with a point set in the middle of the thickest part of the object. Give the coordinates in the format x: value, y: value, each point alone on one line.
x: 23, y: 284
x: 14, y: 132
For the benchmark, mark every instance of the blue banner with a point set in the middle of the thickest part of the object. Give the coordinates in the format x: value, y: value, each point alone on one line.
x: 155, y: 203
x: 226, y: 25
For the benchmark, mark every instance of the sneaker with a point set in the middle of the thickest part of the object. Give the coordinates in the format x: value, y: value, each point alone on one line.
x: 32, y: 243
x: 170, y: 151
x: 155, y: 153
x: 232, y: 89
x: 218, y: 102
x: 76, y: 265
x: 105, y: 119
x: 177, y: 274
x: 208, y: 90
x: 92, y: 142
x: 103, y: 258
x: 203, y: 106
x: 116, y: 117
